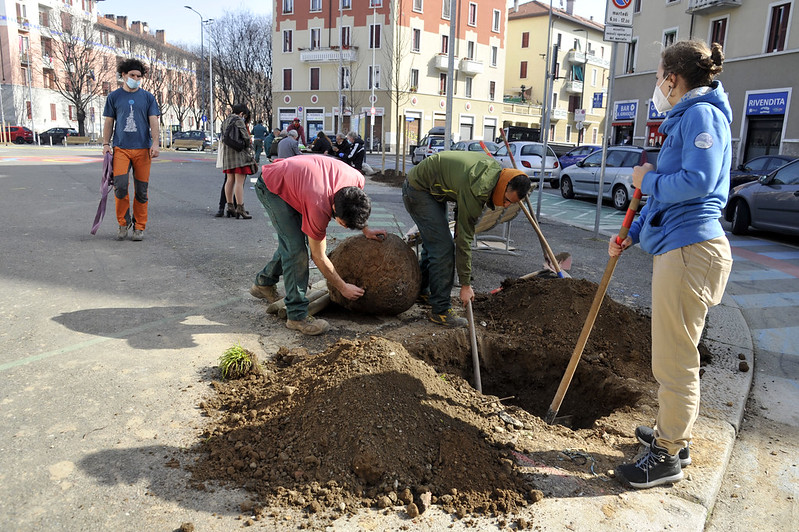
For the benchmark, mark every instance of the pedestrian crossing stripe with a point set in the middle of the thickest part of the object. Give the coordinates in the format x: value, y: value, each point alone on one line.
x: 782, y: 340
x: 784, y: 299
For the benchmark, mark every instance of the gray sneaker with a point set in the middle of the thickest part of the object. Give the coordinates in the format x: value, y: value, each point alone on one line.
x: 138, y: 234
x: 268, y: 292
x: 122, y: 233
x: 310, y: 326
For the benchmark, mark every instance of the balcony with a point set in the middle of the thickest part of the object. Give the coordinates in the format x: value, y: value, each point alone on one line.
x: 47, y: 61
x: 573, y: 86
x: 23, y: 24
x: 470, y: 66
x: 24, y: 58
x: 328, y: 55
x: 575, y: 56
x: 704, y: 7
x: 558, y: 114
x: 441, y: 62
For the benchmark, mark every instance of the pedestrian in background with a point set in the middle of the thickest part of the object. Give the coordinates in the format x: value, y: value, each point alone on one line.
x: 131, y: 116
x: 276, y: 143
x: 238, y: 160
x: 356, y: 150
x: 680, y: 226
x: 296, y: 126
x: 322, y: 144
x: 288, y: 147
x: 270, y: 138
x: 341, y: 147
x: 258, y: 136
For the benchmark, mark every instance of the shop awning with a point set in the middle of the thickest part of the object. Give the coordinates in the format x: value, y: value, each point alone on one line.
x: 619, y: 124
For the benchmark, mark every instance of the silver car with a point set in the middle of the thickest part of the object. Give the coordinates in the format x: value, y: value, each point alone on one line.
x: 583, y: 178
x: 770, y: 203
x: 430, y: 145
x: 528, y: 159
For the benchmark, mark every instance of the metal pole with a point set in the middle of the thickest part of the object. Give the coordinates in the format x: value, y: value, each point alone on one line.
x: 374, y: 78
x: 211, y: 85
x: 450, y: 73
x: 340, y: 67
x: 202, y: 61
x: 608, y: 120
x: 582, y: 92
x: 30, y: 92
x: 545, y: 113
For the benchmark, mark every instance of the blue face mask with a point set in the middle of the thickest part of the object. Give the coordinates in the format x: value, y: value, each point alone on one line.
x: 133, y: 83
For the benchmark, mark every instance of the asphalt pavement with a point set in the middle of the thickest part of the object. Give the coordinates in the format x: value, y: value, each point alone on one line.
x: 106, y: 349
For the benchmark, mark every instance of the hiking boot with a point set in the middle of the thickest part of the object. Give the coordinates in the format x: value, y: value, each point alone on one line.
x: 310, y: 326
x: 646, y: 436
x: 122, y: 233
x: 268, y: 292
x: 654, y: 468
x: 448, y: 319
x: 423, y: 299
x: 138, y: 234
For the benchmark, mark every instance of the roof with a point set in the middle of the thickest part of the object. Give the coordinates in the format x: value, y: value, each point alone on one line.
x: 539, y: 9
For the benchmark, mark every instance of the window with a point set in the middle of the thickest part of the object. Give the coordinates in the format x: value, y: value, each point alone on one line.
x: 442, y: 84
x: 470, y: 50
x: 52, y: 112
x: 669, y: 37
x: 416, y: 39
x: 345, y: 77
x: 552, y: 133
x: 287, y: 79
x: 417, y: 6
x: 414, y: 79
x: 288, y: 7
x: 525, y: 39
x: 346, y: 4
x: 445, y: 10
x: 568, y: 133
x: 629, y: 60
x: 718, y: 31
x: 469, y: 87
x: 492, y: 90
x: 472, y: 21
x: 316, y: 38
x: 375, y: 3
x: 71, y: 111
x: 288, y: 37
x: 494, y: 54
x: 374, y: 76
x: 316, y: 5
x: 374, y: 36
x: 495, y: 21
x: 44, y: 19
x: 574, y: 102
x: 593, y: 78
x: 593, y: 135
x: 778, y: 28
x: 315, y: 78
x: 346, y: 36
x: 523, y: 70
x: 637, y: 6
x: 106, y: 87
x: 445, y: 44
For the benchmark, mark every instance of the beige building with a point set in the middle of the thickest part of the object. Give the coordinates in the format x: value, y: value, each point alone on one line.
x: 337, y: 61
x: 761, y: 45
x: 581, y: 72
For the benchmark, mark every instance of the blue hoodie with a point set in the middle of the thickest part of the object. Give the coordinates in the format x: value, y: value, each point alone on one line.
x: 692, y: 181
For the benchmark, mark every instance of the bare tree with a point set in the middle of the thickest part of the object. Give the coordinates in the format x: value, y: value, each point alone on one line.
x: 77, y: 57
x: 395, y: 51
x: 181, y: 95
x: 153, y: 54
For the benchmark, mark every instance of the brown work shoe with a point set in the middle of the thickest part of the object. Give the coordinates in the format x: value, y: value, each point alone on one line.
x: 310, y: 326
x: 448, y: 319
x: 268, y: 292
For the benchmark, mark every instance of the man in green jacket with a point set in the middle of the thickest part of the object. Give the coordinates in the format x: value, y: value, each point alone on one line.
x: 472, y: 180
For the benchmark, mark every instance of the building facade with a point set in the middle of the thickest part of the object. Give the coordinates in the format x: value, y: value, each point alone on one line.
x: 760, y: 39
x: 341, y: 63
x: 33, y: 62
x: 580, y: 61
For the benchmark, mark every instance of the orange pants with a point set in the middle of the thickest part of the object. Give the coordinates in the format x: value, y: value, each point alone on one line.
x: 124, y: 161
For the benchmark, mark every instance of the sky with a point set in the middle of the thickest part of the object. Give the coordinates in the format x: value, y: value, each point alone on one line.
x: 183, y: 26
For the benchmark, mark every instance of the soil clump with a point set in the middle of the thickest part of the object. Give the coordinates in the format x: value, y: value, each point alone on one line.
x: 391, y: 177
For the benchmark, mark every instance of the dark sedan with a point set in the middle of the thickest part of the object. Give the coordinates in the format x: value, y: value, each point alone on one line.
x: 56, y: 135
x: 770, y: 203
x: 754, y: 168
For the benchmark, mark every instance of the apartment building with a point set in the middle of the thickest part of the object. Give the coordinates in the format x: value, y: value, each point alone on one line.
x: 580, y: 59
x: 761, y: 45
x: 341, y: 63
x: 31, y: 61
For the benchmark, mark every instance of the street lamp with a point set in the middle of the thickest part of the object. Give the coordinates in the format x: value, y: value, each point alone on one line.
x: 210, y: 83
x: 202, y: 55
x: 582, y: 93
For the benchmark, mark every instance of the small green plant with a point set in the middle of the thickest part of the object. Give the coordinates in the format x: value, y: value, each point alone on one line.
x: 237, y: 362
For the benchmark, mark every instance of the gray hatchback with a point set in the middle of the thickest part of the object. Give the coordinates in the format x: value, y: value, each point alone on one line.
x: 770, y: 203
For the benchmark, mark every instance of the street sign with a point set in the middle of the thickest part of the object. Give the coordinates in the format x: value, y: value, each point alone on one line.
x: 579, y: 115
x: 597, y: 103
x: 204, y: 119
x: 373, y: 111
x: 619, y: 13
x: 618, y: 34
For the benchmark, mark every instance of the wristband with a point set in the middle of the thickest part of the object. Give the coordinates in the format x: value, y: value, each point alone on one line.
x: 106, y: 144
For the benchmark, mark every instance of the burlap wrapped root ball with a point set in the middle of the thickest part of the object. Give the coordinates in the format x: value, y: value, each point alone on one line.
x: 387, y: 271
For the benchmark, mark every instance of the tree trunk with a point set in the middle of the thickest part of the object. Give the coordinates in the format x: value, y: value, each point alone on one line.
x: 81, y: 122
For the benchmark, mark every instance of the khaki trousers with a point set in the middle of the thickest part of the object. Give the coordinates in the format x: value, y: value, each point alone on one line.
x: 686, y: 282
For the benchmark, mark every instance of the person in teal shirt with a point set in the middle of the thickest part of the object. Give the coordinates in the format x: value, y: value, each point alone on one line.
x: 258, y: 135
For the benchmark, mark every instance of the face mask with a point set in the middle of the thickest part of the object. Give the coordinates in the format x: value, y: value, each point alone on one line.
x: 661, y: 101
x: 133, y: 83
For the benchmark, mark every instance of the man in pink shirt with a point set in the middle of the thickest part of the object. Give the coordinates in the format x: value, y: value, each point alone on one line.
x: 301, y: 196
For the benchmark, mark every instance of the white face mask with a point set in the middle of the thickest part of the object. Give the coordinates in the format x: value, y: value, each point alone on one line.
x: 661, y: 101
x: 133, y: 83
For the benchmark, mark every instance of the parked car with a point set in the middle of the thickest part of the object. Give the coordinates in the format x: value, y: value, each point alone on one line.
x: 520, y: 134
x: 191, y: 140
x: 575, y: 155
x: 56, y: 135
x: 19, y: 134
x: 583, y: 178
x: 430, y: 145
x: 757, y: 167
x: 528, y: 158
x: 474, y: 145
x: 770, y: 203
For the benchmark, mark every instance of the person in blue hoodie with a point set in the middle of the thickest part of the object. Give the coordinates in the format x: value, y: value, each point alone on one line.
x: 680, y: 226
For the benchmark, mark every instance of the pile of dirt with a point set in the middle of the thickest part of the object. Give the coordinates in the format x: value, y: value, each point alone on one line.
x: 392, y: 177
x: 394, y: 422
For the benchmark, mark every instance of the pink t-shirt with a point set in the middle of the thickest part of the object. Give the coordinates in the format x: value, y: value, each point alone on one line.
x: 308, y: 183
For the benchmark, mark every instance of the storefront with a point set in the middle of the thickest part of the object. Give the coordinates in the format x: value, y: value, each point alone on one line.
x: 314, y: 122
x: 653, y: 120
x: 624, y: 121
x: 285, y: 115
x: 763, y: 128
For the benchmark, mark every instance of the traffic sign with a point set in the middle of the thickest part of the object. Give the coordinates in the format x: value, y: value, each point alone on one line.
x: 618, y: 33
x: 373, y: 111
x: 204, y: 118
x: 619, y: 13
x: 597, y: 103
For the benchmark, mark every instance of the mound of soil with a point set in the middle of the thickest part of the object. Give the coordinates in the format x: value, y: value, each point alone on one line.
x: 392, y: 177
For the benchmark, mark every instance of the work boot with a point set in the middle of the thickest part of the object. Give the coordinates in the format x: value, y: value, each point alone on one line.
x: 138, y: 234
x: 309, y: 325
x: 423, y: 299
x: 448, y: 319
x: 122, y: 233
x: 656, y: 467
x: 646, y: 436
x: 268, y: 292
